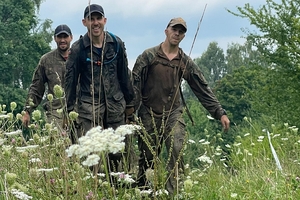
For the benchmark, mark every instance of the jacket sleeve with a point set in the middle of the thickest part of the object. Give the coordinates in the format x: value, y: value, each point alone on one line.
x: 138, y: 76
x: 71, y: 77
x: 200, y: 88
x: 37, y: 87
x: 124, y: 75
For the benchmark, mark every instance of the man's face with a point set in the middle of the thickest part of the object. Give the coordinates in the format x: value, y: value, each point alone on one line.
x: 63, y: 41
x: 175, y: 34
x: 95, y: 24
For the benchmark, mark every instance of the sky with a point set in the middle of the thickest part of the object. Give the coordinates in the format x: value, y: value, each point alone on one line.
x: 141, y: 23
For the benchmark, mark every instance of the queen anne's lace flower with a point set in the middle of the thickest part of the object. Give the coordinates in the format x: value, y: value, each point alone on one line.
x: 91, y: 160
x: 98, y: 140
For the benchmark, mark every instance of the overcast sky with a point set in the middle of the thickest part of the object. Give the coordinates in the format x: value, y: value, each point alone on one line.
x: 141, y: 23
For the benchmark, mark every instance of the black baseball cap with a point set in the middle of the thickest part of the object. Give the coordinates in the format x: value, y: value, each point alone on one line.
x: 92, y: 9
x: 63, y: 28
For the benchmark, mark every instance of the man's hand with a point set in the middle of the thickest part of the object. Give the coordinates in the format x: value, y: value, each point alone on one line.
x: 26, y: 119
x: 129, y: 111
x: 129, y: 115
x: 225, y: 122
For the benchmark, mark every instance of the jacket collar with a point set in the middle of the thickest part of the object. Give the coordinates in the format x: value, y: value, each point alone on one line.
x: 86, y: 39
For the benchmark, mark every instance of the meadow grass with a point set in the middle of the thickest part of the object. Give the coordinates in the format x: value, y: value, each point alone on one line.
x: 40, y: 168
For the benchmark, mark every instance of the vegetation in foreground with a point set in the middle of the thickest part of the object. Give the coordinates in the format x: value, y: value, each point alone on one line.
x: 42, y: 168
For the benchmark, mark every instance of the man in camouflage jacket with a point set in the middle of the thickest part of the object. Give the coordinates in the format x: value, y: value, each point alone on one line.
x: 157, y: 75
x: 50, y: 72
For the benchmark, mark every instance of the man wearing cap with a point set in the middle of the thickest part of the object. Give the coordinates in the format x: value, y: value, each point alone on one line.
x: 49, y: 72
x: 98, y: 64
x: 157, y: 76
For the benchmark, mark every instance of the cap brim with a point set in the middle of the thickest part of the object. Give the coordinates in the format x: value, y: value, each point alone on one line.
x: 61, y: 32
x: 88, y: 14
x: 179, y: 25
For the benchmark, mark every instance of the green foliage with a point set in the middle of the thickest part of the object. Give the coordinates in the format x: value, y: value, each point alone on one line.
x: 279, y: 29
x: 17, y: 94
x: 212, y: 63
x: 43, y: 170
x: 278, y: 42
x: 247, y: 55
x: 239, y: 92
x: 22, y: 41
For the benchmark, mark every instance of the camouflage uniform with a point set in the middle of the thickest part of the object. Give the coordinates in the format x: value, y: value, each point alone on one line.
x: 156, y: 80
x: 112, y: 85
x: 51, y: 70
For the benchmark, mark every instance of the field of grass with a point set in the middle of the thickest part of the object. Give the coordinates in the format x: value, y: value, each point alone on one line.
x: 253, y: 167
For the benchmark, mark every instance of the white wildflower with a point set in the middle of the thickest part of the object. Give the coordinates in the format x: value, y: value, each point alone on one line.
x: 13, y: 133
x: 72, y: 149
x: 4, y: 116
x: 101, y: 174
x: 29, y: 147
x: 20, y: 195
x: 205, y: 158
x: 261, y: 137
x: 237, y: 144
x: 202, y: 140
x: 246, y: 134
x: 98, y: 140
x: 145, y: 192
x: 126, y: 129
x: 218, y: 148
x: 191, y: 141
x: 233, y: 195
x: 295, y: 130
x: 34, y: 160
x: 91, y: 160
x: 47, y: 170
x: 161, y: 192
x: 209, y: 117
x: 206, y: 143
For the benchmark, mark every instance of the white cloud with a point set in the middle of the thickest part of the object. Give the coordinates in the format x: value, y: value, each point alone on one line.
x: 141, y: 23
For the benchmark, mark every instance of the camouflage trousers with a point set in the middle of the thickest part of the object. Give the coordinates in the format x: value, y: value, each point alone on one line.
x: 56, y: 119
x: 170, y: 130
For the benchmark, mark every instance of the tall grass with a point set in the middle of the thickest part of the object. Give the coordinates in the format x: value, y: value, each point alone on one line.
x: 39, y: 168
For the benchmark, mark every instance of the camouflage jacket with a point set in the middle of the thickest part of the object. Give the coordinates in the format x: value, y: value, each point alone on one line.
x: 111, y: 86
x: 49, y: 72
x: 157, y: 80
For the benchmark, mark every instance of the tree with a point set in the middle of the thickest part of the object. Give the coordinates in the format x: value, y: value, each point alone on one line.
x: 247, y: 55
x: 279, y: 31
x: 239, y: 91
x: 23, y: 40
x: 278, y: 42
x: 212, y: 63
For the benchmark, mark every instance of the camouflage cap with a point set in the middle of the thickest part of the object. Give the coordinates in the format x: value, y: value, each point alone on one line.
x: 178, y: 21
